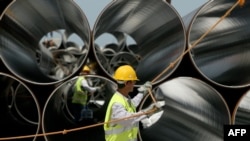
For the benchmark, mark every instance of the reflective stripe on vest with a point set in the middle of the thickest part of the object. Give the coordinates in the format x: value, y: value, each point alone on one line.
x: 118, y: 132
x: 80, y: 96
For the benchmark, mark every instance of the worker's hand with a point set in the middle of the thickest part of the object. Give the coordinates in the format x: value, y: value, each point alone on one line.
x: 144, y: 88
x: 158, y: 105
x: 148, y: 85
x: 146, y: 122
x: 150, y: 107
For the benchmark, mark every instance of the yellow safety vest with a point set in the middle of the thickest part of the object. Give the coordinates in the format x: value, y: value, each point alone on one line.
x: 80, y: 96
x: 118, y: 132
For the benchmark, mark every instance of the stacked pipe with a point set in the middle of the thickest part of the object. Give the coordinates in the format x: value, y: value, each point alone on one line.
x: 222, y: 56
x: 205, y: 89
x: 19, y: 108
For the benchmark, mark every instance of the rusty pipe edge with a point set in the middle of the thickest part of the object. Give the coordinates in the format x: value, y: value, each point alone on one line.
x: 193, y: 111
x: 241, y: 114
x: 28, y: 26
x: 222, y: 57
x: 154, y: 35
x: 19, y: 109
x: 58, y: 111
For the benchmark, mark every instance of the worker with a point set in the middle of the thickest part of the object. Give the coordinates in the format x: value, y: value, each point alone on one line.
x: 81, y: 90
x: 122, y: 106
x: 49, y: 43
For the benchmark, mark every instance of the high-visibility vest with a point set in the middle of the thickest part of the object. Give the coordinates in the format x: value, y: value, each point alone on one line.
x: 118, y: 132
x: 80, y: 96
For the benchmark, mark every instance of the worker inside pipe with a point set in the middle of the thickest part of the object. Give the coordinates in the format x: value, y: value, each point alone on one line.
x: 82, y: 90
x: 121, y: 119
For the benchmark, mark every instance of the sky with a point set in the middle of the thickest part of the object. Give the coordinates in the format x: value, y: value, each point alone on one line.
x: 92, y: 8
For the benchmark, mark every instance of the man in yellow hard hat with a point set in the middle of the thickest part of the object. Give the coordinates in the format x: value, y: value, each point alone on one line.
x: 122, y: 106
x: 85, y: 70
x: 81, y: 91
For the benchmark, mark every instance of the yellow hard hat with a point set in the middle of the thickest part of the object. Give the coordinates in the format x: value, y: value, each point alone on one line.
x: 86, y: 69
x: 125, y: 73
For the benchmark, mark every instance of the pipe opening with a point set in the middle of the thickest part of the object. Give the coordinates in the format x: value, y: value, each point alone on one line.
x: 20, y: 112
x: 223, y: 60
x: 241, y: 114
x: 52, y: 43
x: 193, y: 111
x: 58, y: 113
x: 150, y: 37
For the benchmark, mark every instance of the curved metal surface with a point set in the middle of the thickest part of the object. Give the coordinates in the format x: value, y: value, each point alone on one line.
x: 3, y: 6
x: 19, y: 109
x: 223, y: 55
x: 241, y: 113
x: 194, y: 111
x: 156, y: 32
x: 57, y: 112
x: 35, y: 34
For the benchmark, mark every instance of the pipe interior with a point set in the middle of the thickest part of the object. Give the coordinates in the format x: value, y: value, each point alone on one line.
x: 194, y: 111
x: 44, y: 42
x: 57, y: 113
x: 20, y: 112
x: 223, y: 55
x: 241, y: 115
x: 134, y: 32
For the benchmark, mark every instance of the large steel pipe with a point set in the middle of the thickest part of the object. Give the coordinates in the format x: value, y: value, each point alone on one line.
x: 44, y: 42
x: 241, y: 114
x: 20, y: 112
x: 194, y: 111
x: 223, y: 55
x: 58, y: 111
x: 153, y: 32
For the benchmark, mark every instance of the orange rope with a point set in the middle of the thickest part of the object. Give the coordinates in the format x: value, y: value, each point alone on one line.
x: 239, y: 2
x: 80, y: 128
x: 171, y: 65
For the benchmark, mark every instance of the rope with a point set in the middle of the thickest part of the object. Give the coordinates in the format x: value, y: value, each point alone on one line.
x: 239, y: 2
x: 80, y: 128
x: 171, y: 65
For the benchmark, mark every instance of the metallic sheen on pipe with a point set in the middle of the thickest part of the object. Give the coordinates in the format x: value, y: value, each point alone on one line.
x: 20, y: 111
x: 194, y: 111
x: 223, y: 55
x: 241, y: 113
x: 156, y: 32
x: 28, y: 26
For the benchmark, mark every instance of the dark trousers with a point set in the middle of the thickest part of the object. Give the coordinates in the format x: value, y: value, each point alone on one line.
x: 76, y: 111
